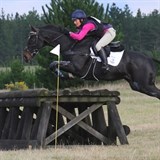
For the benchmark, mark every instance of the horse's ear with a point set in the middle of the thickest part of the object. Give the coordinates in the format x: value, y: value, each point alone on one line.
x: 34, y: 29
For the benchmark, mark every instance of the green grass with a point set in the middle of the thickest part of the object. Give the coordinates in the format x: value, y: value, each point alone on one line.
x: 140, y: 112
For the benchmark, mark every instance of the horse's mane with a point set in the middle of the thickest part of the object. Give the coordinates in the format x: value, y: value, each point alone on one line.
x: 52, y: 27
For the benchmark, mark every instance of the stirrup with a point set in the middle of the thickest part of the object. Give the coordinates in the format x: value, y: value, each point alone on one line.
x: 105, y: 67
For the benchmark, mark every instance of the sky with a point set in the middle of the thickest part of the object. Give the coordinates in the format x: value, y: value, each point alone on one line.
x: 23, y: 6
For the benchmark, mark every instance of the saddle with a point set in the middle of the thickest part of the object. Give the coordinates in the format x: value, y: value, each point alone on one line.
x: 115, y: 55
x: 114, y: 47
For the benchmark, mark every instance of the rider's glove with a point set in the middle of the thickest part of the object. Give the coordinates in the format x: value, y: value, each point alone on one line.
x: 66, y: 31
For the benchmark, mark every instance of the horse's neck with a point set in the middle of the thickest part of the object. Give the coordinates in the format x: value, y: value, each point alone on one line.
x: 84, y: 45
x: 54, y: 38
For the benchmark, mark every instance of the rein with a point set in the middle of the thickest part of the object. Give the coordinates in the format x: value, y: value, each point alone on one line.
x: 53, y: 39
x: 39, y: 36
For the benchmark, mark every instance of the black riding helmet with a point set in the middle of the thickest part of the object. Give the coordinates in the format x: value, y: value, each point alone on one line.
x: 78, y: 14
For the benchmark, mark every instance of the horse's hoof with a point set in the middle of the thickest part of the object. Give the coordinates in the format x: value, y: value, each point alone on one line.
x: 58, y: 73
x: 51, y: 67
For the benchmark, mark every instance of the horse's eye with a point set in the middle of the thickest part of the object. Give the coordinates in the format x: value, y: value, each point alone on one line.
x: 33, y: 40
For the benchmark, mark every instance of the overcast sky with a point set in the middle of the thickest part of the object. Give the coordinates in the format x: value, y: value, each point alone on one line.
x: 23, y: 6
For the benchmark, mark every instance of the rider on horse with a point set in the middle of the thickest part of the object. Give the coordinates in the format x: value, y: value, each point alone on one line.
x: 93, y: 26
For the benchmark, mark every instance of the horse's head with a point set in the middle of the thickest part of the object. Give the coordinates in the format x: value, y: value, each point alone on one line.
x: 34, y: 43
x: 46, y: 35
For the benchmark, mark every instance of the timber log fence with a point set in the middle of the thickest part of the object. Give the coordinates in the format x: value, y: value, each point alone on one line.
x: 28, y: 118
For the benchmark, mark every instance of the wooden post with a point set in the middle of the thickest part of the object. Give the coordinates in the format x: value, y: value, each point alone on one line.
x: 115, y: 118
x: 43, y: 124
x: 3, y: 114
x: 13, y: 122
x: 27, y: 125
x: 99, y: 122
x: 5, y: 131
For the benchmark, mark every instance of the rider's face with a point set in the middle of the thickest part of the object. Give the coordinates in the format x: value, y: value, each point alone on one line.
x: 77, y: 22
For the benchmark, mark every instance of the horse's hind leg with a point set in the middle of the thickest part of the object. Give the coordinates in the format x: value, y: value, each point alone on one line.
x: 149, y: 89
x: 142, y: 79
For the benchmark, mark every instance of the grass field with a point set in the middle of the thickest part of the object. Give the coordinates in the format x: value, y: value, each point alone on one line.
x: 140, y: 112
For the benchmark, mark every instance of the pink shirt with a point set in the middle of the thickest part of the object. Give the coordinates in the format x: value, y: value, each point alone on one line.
x: 85, y: 29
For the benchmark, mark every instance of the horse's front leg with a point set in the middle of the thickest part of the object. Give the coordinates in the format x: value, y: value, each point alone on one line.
x: 65, y: 66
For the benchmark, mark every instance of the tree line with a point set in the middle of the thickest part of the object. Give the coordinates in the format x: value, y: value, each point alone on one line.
x: 138, y: 33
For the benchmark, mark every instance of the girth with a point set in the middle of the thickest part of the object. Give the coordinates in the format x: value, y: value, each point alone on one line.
x: 91, y: 68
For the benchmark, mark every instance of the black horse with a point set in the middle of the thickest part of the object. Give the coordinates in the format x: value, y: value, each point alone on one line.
x: 136, y: 68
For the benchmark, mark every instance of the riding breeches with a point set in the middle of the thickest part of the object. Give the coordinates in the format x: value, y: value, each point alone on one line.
x: 106, y: 39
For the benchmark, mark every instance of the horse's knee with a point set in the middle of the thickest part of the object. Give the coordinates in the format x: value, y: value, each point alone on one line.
x: 53, y: 66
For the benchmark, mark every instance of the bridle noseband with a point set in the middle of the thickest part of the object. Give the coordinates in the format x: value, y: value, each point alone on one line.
x: 33, y: 52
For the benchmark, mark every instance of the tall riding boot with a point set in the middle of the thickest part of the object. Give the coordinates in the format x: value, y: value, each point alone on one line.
x: 103, y: 57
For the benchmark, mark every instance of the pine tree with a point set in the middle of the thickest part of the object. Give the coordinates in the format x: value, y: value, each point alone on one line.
x: 59, y: 11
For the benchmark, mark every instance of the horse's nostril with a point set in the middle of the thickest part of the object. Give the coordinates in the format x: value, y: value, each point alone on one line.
x: 25, y: 58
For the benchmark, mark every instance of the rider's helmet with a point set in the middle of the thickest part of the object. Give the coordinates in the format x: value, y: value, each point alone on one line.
x: 78, y: 14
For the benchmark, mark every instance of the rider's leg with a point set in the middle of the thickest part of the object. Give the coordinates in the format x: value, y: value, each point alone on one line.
x: 104, y: 41
x: 103, y: 56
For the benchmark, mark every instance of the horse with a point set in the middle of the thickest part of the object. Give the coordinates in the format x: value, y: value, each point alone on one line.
x: 138, y: 69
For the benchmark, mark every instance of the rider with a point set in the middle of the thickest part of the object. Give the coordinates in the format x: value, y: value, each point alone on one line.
x: 93, y: 26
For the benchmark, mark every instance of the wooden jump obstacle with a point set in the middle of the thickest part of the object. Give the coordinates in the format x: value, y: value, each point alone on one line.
x: 28, y: 118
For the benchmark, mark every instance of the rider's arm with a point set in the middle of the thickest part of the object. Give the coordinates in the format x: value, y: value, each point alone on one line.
x: 85, y: 29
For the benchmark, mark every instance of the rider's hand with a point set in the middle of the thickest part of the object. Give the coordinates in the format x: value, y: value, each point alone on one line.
x: 66, y: 31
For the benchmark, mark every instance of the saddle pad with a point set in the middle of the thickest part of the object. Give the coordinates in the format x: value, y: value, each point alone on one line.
x: 113, y: 59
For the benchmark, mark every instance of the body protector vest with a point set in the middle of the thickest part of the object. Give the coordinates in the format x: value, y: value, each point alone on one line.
x: 99, y: 28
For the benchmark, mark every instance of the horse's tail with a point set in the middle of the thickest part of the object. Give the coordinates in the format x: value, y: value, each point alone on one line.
x: 156, y: 60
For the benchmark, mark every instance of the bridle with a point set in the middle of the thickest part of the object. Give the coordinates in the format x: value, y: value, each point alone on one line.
x: 35, y: 51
